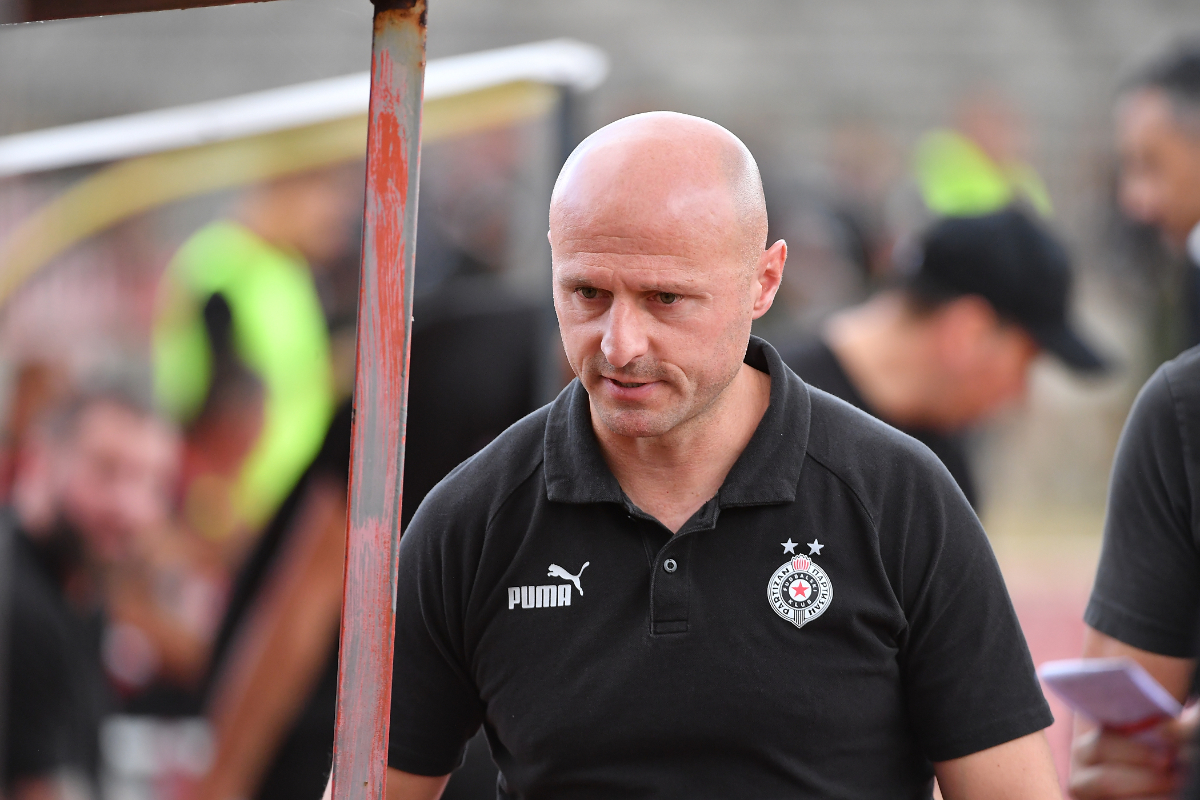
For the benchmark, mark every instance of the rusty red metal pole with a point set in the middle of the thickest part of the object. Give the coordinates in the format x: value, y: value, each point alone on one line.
x: 380, y: 401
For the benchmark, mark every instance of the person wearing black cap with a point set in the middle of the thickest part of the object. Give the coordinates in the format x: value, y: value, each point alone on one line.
x: 953, y: 342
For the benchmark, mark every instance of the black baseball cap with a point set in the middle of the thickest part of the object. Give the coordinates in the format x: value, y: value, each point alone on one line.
x: 1015, y: 264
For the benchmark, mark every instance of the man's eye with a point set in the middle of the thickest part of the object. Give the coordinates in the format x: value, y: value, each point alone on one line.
x: 588, y: 292
x: 667, y: 298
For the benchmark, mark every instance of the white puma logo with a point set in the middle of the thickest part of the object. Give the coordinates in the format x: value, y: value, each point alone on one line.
x: 558, y: 572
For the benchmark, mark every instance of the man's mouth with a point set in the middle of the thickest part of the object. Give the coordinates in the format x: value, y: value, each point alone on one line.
x: 624, y: 385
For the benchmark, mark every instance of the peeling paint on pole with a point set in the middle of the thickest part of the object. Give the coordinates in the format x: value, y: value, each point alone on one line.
x: 381, y: 390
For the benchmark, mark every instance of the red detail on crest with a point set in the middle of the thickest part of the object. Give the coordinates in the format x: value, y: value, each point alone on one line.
x: 800, y: 563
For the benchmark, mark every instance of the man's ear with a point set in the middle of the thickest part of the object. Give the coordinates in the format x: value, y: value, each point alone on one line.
x: 960, y: 327
x: 767, y: 276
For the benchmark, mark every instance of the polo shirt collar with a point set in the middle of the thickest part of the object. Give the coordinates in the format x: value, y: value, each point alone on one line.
x: 766, y: 472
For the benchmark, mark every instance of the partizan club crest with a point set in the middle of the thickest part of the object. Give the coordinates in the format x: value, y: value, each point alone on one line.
x: 800, y: 591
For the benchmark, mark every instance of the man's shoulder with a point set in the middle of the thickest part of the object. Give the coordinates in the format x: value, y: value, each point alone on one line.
x: 1161, y: 411
x: 879, y: 463
x: 1161, y: 436
x: 479, y: 485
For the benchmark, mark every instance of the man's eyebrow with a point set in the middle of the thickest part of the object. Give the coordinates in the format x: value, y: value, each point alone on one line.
x: 681, y: 284
x: 575, y: 276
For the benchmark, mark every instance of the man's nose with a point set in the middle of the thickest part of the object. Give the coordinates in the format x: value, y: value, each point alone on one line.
x: 624, y: 335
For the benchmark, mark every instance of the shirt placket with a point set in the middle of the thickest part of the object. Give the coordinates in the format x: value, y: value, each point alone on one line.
x: 670, y: 570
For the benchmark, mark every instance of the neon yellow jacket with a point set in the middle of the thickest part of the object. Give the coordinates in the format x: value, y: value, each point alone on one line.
x: 957, y: 178
x: 278, y: 330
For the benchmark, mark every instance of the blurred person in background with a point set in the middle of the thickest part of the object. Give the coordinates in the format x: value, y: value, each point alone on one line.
x: 94, y: 478
x: 258, y: 267
x: 273, y: 694
x: 979, y: 165
x: 1145, y: 602
x: 1158, y: 140
x: 953, y: 343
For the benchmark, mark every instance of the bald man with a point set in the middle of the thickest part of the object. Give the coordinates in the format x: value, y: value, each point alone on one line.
x: 692, y: 575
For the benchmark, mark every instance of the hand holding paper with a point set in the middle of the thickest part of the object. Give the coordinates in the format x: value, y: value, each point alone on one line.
x: 1116, y: 693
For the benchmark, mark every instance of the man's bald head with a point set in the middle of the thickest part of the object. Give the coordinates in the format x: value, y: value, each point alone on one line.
x: 668, y: 175
x: 657, y: 232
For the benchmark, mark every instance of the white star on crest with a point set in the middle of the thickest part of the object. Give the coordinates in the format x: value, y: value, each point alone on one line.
x: 789, y: 546
x: 814, y: 547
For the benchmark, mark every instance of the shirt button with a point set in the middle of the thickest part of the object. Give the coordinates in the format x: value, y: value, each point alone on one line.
x: 669, y: 565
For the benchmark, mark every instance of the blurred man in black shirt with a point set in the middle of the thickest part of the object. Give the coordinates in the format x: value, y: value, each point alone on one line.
x: 98, y: 474
x: 953, y: 344
x: 1145, y: 603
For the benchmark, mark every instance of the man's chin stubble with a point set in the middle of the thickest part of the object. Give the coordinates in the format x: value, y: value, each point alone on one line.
x: 638, y: 424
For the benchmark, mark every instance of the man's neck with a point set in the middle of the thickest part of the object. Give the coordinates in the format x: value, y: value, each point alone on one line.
x: 672, y: 476
x: 884, y: 358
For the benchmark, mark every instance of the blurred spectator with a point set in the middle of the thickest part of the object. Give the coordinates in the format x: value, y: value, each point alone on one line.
x: 1145, y: 603
x: 93, y: 480
x: 272, y: 702
x: 259, y: 266
x: 953, y: 343
x: 979, y: 166
x: 1158, y: 135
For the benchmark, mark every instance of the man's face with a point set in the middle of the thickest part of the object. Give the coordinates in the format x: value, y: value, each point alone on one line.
x: 115, y: 477
x: 654, y: 306
x: 985, y: 364
x: 1160, y: 165
x: 654, y: 330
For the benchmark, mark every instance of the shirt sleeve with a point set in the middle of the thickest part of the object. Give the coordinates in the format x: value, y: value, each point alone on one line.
x: 1147, y: 588
x: 436, y: 707
x: 968, y: 677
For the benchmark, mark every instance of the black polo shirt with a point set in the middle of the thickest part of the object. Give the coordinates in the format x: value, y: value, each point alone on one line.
x: 828, y: 624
